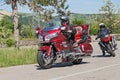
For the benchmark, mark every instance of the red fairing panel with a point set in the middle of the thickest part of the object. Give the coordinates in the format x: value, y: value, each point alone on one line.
x: 45, y: 48
x: 86, y: 48
x: 106, y: 39
x: 58, y: 42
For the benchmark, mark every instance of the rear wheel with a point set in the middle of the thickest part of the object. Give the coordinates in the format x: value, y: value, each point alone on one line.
x: 110, y: 51
x: 43, y: 60
x: 78, y: 61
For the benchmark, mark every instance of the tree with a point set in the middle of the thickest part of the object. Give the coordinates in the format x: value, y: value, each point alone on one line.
x: 15, y: 18
x: 108, y: 12
x: 47, y: 7
x: 39, y: 6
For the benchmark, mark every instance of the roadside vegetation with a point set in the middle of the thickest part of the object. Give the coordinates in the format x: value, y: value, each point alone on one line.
x: 12, y: 56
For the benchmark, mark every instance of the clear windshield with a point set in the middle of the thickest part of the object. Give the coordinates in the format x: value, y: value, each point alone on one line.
x: 51, y: 26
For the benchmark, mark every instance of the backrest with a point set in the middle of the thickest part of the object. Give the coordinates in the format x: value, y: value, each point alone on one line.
x: 85, y: 29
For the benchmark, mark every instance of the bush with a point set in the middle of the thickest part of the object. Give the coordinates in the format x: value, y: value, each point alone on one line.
x: 77, y: 22
x: 9, y: 42
x: 27, y: 32
x: 94, y: 29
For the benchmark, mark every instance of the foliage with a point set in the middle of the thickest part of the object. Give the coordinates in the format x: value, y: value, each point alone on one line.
x: 94, y: 28
x: 7, y: 23
x: 47, y: 7
x: 9, y: 42
x: 26, y: 31
x: 6, y: 29
x: 77, y: 22
x: 12, y: 56
x: 19, y: 1
x: 108, y: 12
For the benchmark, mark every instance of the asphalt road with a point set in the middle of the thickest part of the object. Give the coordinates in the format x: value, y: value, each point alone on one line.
x: 93, y: 68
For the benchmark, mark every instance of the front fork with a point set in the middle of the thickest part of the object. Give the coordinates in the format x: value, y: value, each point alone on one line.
x: 46, y: 48
x: 113, y: 42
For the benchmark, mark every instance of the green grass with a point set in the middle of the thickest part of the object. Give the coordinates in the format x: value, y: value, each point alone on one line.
x: 13, y: 56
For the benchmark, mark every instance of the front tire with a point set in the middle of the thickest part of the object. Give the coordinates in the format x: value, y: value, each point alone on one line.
x: 110, y: 51
x: 77, y: 61
x: 45, y: 62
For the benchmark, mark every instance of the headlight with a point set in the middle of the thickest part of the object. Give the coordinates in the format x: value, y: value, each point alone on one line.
x: 50, y: 36
x: 40, y: 37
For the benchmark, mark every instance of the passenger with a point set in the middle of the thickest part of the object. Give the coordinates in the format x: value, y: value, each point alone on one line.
x: 78, y: 34
x: 78, y: 38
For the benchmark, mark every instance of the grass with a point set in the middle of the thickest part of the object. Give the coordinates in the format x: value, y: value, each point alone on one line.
x: 13, y: 56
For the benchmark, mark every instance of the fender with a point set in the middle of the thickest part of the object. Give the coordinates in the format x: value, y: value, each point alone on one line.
x: 45, y: 48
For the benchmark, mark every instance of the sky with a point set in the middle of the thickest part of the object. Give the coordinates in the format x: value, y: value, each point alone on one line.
x: 76, y: 6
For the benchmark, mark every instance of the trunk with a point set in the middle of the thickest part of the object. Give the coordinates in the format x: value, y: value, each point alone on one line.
x: 15, y: 22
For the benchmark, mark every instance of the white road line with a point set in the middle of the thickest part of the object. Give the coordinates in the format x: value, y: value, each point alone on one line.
x: 93, y: 70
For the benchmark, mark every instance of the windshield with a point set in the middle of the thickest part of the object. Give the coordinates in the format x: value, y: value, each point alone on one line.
x: 51, y: 26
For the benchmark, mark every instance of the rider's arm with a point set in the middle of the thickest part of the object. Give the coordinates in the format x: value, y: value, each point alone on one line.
x: 72, y: 29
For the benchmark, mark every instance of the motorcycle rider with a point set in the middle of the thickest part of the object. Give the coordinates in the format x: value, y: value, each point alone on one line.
x: 70, y: 30
x: 104, y: 31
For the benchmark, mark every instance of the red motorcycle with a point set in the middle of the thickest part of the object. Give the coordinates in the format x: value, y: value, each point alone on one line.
x: 107, y: 44
x: 55, y: 47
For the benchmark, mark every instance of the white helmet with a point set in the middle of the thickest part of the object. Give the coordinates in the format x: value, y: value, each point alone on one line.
x: 102, y: 25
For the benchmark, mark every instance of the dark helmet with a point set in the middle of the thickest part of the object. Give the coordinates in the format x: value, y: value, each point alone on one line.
x: 64, y: 18
x: 102, y: 25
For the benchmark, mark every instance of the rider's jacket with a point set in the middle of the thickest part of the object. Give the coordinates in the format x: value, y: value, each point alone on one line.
x: 69, y: 27
x: 102, y: 32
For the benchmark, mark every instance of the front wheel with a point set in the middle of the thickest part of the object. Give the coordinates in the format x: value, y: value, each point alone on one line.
x: 110, y: 51
x: 44, y: 61
x: 78, y: 61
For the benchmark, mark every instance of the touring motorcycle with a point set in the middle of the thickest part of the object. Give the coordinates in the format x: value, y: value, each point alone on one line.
x: 55, y: 47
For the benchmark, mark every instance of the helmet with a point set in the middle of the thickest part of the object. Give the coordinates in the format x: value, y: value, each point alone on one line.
x: 64, y: 18
x: 102, y: 25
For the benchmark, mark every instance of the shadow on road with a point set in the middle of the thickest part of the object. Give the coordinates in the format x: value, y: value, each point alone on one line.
x: 61, y: 65
x: 100, y: 56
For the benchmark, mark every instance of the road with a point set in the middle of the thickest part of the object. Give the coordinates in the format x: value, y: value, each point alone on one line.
x: 93, y: 68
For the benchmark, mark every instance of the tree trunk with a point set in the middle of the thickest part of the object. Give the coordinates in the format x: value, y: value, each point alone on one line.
x: 15, y: 22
